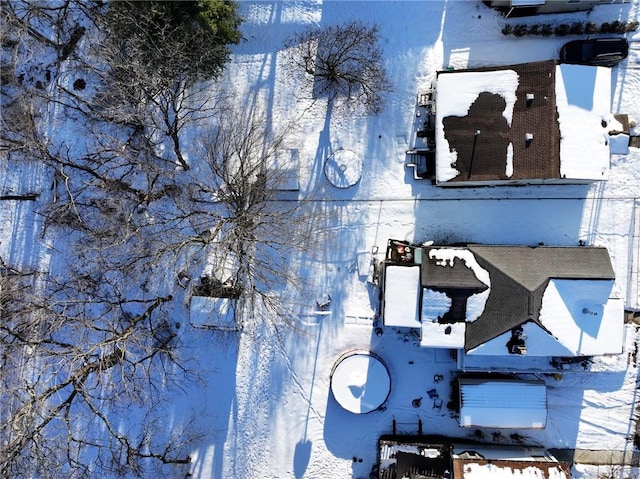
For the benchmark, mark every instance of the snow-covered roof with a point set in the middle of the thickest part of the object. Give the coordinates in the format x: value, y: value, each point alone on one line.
x: 526, y: 3
x: 540, y: 291
x: 213, y: 313
x: 439, y: 335
x: 583, y: 101
x: 360, y: 382
x: 480, y: 461
x: 491, y: 470
x: 577, y: 318
x: 538, y: 342
x: 456, y: 93
x: 503, y: 403
x: 523, y: 274
x: 582, y: 316
x: 401, y: 295
x: 527, y: 145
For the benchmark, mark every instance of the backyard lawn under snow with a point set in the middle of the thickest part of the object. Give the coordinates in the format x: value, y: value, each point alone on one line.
x: 265, y: 406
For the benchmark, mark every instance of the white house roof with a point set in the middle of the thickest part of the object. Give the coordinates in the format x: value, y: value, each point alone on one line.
x: 539, y: 343
x: 583, y: 101
x: 503, y: 404
x: 582, y: 316
x: 401, y: 296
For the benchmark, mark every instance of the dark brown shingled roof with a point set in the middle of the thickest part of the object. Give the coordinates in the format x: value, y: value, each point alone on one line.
x: 519, y: 276
x: 457, y: 276
x: 537, y: 160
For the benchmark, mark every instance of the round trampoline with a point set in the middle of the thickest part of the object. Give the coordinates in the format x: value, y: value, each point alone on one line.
x: 360, y: 381
x: 343, y: 169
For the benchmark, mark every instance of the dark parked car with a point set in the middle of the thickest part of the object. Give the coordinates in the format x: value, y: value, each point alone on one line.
x: 605, y: 52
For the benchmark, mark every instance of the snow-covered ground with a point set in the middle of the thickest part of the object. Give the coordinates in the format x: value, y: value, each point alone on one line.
x: 264, y: 407
x: 276, y: 416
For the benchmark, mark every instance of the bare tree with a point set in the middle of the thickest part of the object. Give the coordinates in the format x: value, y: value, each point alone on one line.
x: 245, y: 164
x: 342, y: 61
x: 156, y: 53
x: 93, y: 337
x: 75, y: 354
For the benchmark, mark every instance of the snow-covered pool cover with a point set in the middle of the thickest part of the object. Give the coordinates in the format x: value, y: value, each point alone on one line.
x: 360, y: 382
x: 401, y: 295
x: 456, y: 93
x: 583, y: 101
x: 580, y: 314
x: 503, y: 404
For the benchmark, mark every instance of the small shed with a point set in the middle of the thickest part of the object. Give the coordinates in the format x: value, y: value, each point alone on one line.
x: 502, y: 403
x: 213, y: 313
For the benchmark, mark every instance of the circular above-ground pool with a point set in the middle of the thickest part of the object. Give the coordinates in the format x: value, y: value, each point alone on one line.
x: 360, y: 381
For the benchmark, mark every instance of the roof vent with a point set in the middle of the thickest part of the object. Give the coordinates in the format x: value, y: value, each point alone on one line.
x: 530, y: 97
x: 528, y: 138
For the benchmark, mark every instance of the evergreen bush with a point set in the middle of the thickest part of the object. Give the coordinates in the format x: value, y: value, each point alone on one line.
x: 520, y: 30
x: 577, y: 28
x: 546, y: 30
x: 563, y: 29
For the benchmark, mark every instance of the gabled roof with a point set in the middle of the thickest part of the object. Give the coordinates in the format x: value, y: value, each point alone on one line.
x: 519, y: 277
x: 485, y: 115
x: 505, y: 287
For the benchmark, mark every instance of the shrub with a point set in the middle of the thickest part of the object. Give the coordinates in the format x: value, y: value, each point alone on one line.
x: 617, y: 27
x: 577, y: 28
x: 546, y: 30
x: 342, y: 61
x: 520, y: 30
x: 507, y: 29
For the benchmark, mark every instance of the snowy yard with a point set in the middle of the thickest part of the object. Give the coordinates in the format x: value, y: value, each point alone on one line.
x: 264, y: 407
x: 281, y: 420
